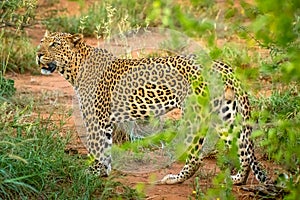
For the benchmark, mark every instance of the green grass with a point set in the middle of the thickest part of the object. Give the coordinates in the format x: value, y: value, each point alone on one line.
x: 278, y: 118
x: 33, y: 162
x: 117, y: 16
x: 103, y: 17
x: 7, y: 88
x: 17, y: 53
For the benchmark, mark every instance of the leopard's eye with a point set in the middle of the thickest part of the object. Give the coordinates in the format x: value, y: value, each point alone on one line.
x: 54, y: 44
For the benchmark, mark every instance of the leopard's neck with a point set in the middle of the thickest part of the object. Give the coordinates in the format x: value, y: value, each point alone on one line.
x: 81, y: 53
x: 90, y: 63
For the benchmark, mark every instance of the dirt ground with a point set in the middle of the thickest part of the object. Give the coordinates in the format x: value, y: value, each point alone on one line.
x: 61, y: 95
x: 36, y: 84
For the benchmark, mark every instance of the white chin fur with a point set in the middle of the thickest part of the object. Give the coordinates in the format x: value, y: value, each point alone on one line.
x: 45, y: 72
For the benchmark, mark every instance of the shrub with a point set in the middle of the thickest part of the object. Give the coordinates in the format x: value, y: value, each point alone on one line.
x: 16, y: 51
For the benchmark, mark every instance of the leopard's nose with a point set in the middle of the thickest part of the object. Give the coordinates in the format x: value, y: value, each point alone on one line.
x: 38, y: 57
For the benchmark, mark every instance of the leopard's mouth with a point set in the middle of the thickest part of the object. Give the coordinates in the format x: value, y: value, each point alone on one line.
x: 49, y: 69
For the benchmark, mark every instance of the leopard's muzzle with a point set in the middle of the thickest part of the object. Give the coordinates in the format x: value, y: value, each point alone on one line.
x: 49, y: 69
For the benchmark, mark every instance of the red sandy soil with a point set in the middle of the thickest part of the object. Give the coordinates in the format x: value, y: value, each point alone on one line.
x: 54, y: 83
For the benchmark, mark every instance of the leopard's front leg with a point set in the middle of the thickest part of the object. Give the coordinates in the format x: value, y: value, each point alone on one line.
x: 99, y: 146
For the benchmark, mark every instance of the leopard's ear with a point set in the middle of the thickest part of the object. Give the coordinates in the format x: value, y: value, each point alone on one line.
x: 46, y: 33
x: 76, y: 38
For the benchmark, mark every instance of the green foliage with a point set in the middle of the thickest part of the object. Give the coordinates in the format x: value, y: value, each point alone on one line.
x: 7, y: 88
x: 222, y: 188
x: 17, y: 14
x: 149, y: 141
x: 34, y: 164
x: 106, y: 17
x: 276, y: 23
x: 273, y: 26
x: 279, y: 121
x: 278, y: 131
x: 102, y: 18
x: 281, y: 104
x: 276, y: 28
x: 16, y: 51
x: 198, y: 191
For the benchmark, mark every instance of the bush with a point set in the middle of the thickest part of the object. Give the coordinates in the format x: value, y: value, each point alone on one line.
x: 17, y: 14
x: 7, y: 88
x: 279, y: 121
x: 117, y: 16
x: 102, y: 18
x: 16, y: 51
x: 276, y: 28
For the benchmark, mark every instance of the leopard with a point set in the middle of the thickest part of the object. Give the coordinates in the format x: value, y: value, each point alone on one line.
x: 112, y: 90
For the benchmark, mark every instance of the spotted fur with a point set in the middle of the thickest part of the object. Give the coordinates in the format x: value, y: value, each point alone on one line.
x: 112, y: 90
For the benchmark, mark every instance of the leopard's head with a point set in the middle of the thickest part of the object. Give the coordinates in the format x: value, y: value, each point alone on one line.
x: 62, y: 52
